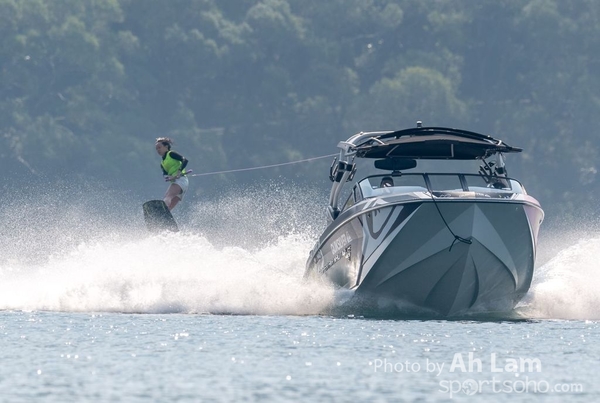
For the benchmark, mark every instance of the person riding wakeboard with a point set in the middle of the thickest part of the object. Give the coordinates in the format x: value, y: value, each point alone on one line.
x: 173, y: 166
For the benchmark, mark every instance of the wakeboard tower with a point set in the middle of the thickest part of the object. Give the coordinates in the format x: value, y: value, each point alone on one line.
x: 158, y: 217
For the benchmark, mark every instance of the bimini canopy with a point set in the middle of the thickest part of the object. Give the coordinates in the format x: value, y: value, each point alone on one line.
x: 426, y: 143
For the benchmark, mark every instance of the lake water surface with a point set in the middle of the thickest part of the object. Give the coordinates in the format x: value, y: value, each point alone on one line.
x: 176, y: 357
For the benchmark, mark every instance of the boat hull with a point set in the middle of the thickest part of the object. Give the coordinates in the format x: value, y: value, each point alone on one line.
x: 452, y: 256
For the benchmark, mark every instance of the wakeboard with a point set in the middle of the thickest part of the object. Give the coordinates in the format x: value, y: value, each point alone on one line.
x: 158, y: 217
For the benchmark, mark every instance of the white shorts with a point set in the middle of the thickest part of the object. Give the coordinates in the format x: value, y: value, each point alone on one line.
x: 183, y: 183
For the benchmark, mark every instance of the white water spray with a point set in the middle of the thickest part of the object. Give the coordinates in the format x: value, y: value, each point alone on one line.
x: 566, y: 286
x: 83, y: 260
x: 170, y: 273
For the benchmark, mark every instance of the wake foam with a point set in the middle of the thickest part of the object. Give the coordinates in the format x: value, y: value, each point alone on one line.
x: 236, y: 255
x: 170, y: 273
x: 566, y: 287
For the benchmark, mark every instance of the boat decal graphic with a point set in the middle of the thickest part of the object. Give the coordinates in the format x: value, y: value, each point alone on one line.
x: 370, y: 223
x: 339, y: 243
x: 346, y: 253
x: 404, y: 214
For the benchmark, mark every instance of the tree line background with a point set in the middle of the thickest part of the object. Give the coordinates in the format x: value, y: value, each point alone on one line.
x: 87, y: 85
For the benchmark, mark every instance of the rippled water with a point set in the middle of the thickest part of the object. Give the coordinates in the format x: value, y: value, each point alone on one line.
x: 173, y: 357
x: 97, y: 310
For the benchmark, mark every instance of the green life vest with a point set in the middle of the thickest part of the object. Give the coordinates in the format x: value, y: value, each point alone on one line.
x: 171, y: 165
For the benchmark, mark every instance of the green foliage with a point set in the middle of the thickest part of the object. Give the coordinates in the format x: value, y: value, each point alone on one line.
x: 415, y: 93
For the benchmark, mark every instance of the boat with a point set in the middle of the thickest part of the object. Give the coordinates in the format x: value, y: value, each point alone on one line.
x: 446, y: 243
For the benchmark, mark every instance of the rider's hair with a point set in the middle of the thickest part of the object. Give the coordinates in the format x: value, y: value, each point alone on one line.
x: 165, y: 141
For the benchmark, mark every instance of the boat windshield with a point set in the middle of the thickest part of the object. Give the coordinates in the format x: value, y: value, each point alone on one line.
x: 379, y: 185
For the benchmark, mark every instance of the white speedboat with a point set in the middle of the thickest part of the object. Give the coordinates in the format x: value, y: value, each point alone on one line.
x: 449, y: 243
